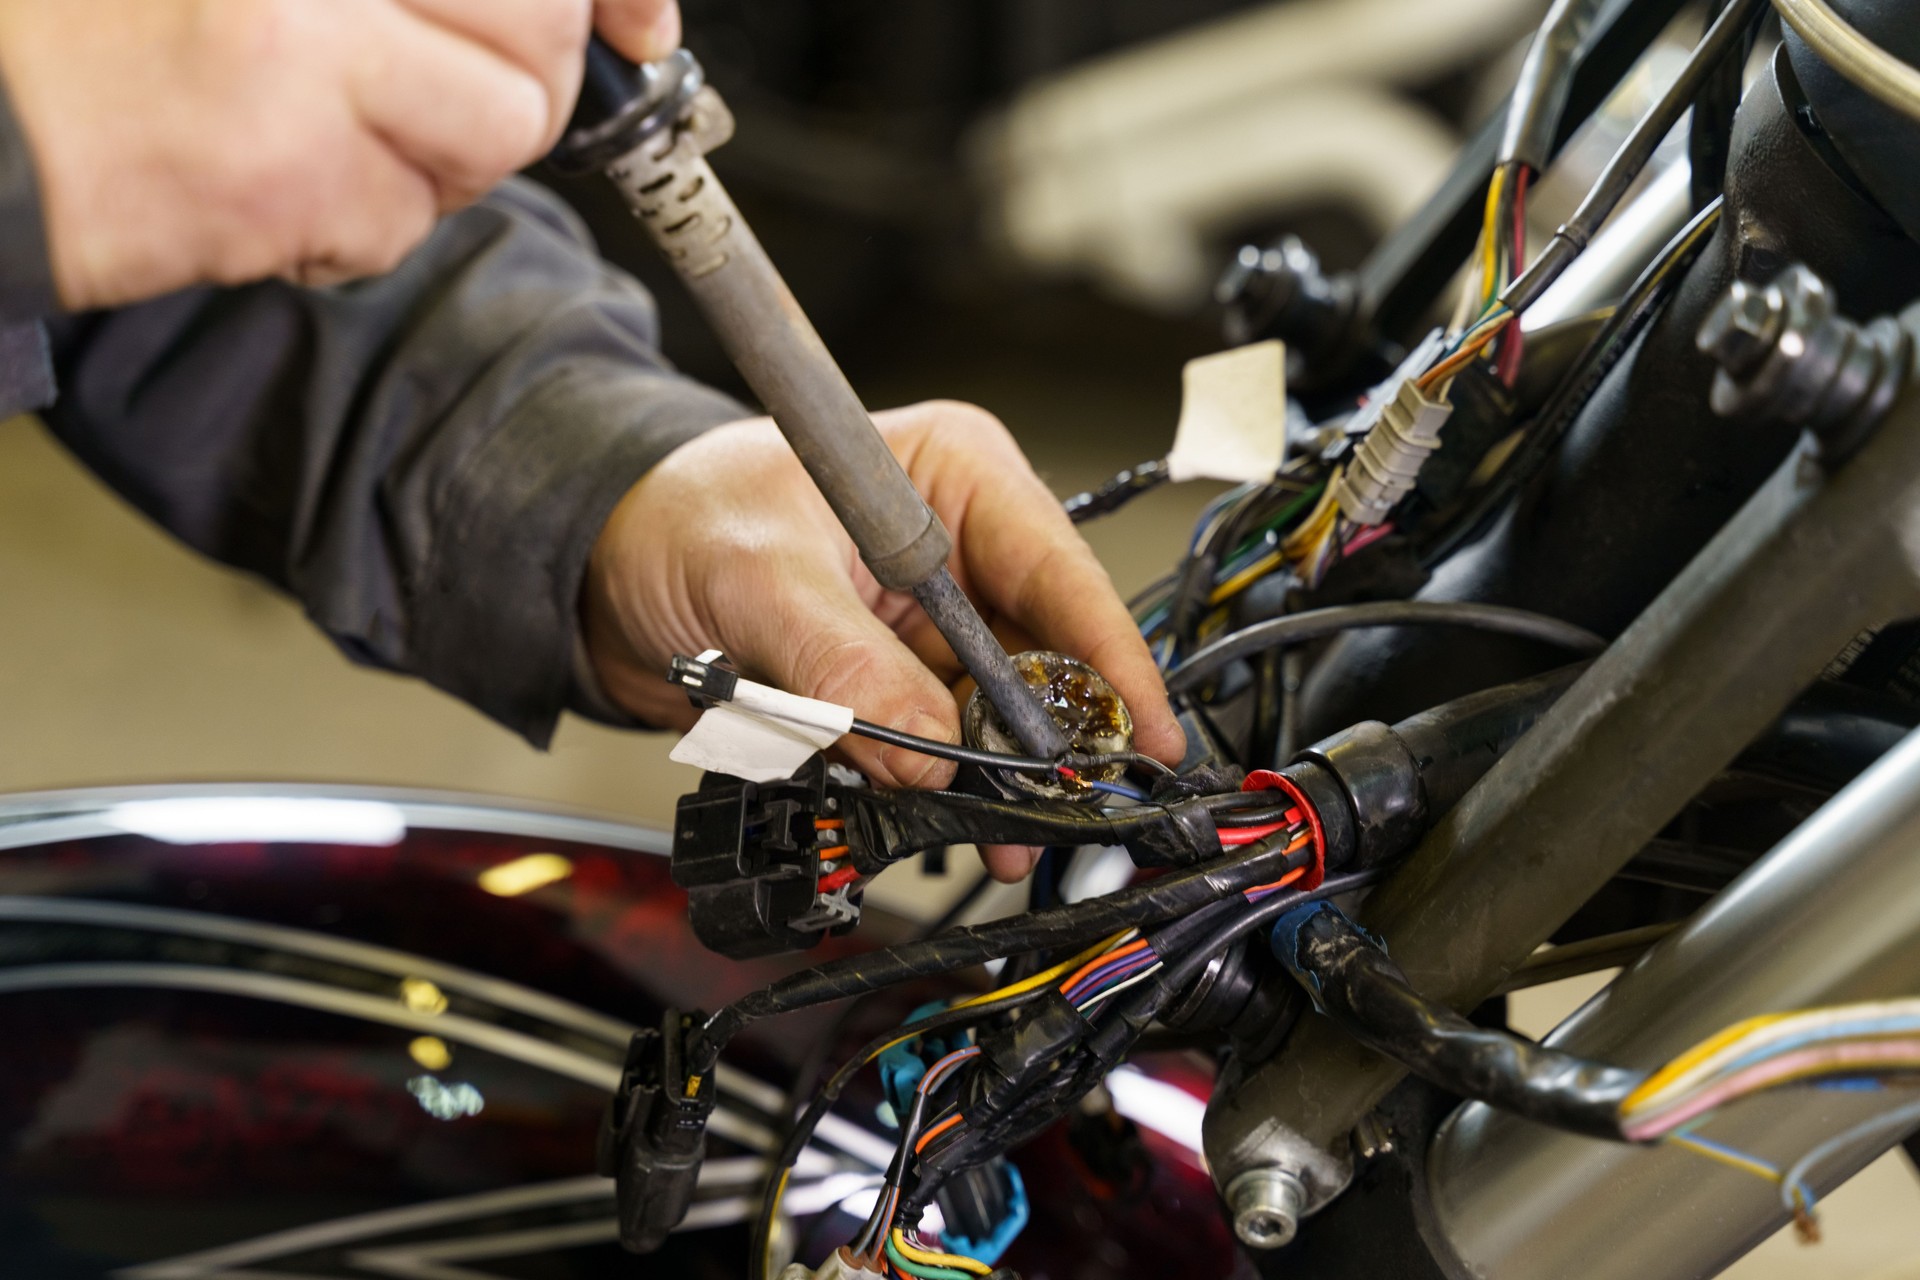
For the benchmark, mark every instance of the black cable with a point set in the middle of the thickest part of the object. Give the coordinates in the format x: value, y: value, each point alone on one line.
x: 1603, y: 351
x: 1710, y: 127
x: 1118, y: 1033
x: 1062, y: 927
x: 954, y: 751
x: 1354, y: 983
x: 1123, y: 488
x: 968, y: 899
x: 1727, y: 34
x: 998, y: 760
x: 1316, y: 623
x: 1181, y: 972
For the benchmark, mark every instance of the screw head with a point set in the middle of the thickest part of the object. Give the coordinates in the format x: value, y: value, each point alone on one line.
x: 1742, y: 328
x: 1267, y: 1205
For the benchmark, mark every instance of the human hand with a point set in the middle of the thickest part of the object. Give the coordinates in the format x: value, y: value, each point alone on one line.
x: 183, y: 142
x: 726, y: 544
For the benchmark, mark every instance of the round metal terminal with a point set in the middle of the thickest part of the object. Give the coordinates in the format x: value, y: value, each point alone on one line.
x: 1080, y: 701
x: 1267, y: 1205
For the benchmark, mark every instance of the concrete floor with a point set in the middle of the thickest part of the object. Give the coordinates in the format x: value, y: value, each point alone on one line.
x: 128, y: 659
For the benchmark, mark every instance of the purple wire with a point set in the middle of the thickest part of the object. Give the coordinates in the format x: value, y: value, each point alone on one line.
x: 1112, y: 971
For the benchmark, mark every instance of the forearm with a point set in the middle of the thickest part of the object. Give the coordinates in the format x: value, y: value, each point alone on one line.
x: 424, y: 459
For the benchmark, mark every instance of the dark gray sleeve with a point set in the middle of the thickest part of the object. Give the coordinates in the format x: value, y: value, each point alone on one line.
x: 26, y: 276
x: 424, y: 460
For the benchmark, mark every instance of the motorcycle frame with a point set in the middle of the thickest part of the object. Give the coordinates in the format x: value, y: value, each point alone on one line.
x: 1814, y: 557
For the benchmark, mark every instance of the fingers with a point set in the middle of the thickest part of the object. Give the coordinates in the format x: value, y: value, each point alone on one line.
x: 547, y: 39
x: 1009, y: 863
x: 1032, y: 567
x: 801, y: 624
x: 644, y: 30
x: 454, y: 106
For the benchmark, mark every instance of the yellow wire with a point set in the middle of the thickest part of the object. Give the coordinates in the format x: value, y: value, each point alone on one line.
x: 928, y: 1258
x: 773, y: 1216
x: 1713, y: 1044
x: 1317, y: 522
x: 1726, y: 1158
x: 1246, y: 577
x: 1045, y: 976
x: 1490, y: 238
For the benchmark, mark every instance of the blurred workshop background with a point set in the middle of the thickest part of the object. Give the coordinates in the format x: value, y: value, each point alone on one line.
x: 1024, y: 203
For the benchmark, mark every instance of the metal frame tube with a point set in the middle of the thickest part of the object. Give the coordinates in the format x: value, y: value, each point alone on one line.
x: 1830, y: 915
x: 1809, y: 560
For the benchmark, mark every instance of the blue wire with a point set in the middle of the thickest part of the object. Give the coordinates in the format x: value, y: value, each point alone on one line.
x: 1114, y: 789
x: 1838, y: 1031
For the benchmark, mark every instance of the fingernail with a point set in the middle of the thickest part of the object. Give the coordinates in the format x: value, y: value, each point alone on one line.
x: 910, y: 768
x: 663, y: 36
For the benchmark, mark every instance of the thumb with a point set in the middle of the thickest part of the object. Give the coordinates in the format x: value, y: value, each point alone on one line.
x: 814, y: 636
x: 644, y: 30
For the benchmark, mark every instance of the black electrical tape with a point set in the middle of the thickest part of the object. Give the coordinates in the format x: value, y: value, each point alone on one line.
x: 1352, y: 981
x: 896, y: 824
x: 1076, y: 925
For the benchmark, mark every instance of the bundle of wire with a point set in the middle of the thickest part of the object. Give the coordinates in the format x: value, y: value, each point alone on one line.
x: 1239, y: 538
x: 1868, y: 1041
x: 1088, y: 980
x: 1867, y: 1044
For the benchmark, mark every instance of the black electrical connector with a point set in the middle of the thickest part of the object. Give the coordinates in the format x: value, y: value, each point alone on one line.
x: 654, y: 1136
x: 748, y: 855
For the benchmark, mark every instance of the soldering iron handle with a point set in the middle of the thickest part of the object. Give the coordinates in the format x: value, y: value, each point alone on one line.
x: 649, y: 128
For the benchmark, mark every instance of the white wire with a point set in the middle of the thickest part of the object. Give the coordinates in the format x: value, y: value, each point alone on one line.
x: 1141, y: 976
x: 1880, y: 1017
x: 1894, y: 1124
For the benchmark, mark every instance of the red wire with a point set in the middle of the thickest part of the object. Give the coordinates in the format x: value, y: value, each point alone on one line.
x: 1269, y: 780
x: 834, y: 879
x: 1230, y: 836
x: 1511, y: 337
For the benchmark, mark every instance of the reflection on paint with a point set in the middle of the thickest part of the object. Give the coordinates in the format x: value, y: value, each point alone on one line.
x: 1154, y: 1104
x: 524, y: 875
x: 431, y: 1052
x: 421, y: 996
x: 446, y: 1101
x: 259, y: 820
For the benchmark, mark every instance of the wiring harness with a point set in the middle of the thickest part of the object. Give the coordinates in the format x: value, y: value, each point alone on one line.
x: 1351, y: 980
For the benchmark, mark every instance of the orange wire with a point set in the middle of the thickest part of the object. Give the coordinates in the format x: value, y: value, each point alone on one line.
x: 1281, y: 883
x: 834, y: 852
x: 936, y: 1131
x: 829, y: 824
x: 1463, y: 357
x: 1104, y: 958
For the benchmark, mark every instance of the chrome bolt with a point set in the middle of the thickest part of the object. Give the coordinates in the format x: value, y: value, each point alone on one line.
x: 1267, y: 1205
x: 1742, y: 328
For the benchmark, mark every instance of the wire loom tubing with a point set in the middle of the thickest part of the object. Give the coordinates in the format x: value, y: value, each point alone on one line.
x: 1353, y: 982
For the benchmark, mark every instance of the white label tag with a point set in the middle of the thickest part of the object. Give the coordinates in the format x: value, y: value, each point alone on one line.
x: 763, y: 734
x: 1233, y: 416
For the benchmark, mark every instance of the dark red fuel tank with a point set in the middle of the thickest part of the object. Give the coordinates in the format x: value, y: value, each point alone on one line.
x: 324, y: 1033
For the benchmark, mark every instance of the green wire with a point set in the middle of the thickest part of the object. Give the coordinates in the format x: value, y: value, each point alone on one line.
x: 1285, y: 514
x: 922, y: 1269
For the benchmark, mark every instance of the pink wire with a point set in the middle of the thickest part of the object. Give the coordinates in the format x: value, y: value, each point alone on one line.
x: 1851, y: 1053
